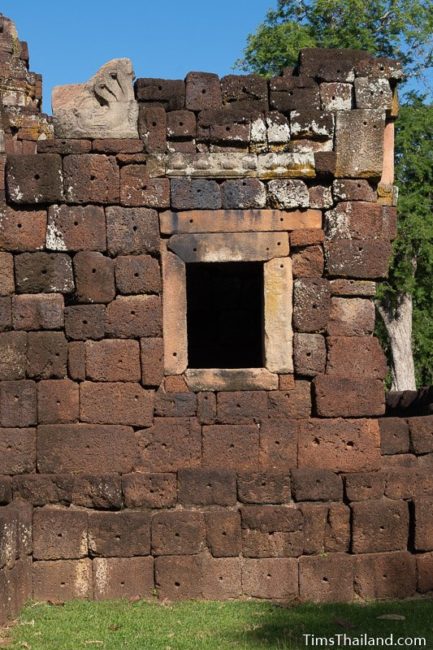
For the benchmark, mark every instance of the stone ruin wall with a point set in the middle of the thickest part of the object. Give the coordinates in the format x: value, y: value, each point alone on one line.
x: 139, y: 475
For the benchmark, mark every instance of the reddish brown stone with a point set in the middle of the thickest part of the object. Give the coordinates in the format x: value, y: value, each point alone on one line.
x: 364, y: 486
x: 223, y: 531
x: 5, y: 313
x: 295, y: 403
x: 149, y: 490
x: 113, y: 360
x: 269, y: 487
x: 64, y: 146
x: 245, y: 91
x: 91, y: 178
x: 421, y: 433
x: 130, y: 577
x: 352, y: 288
x: 59, y: 534
x: 18, y: 403
x: 152, y: 362
x: 271, y: 531
x: 351, y: 317
x: 85, y: 322
x: 347, y: 189
x: 37, y: 311
x: 178, y: 577
x: 169, y: 445
x: 424, y: 570
x: 152, y: 127
x: 242, y: 407
x: 361, y: 220
x: 119, y: 534
x: 58, y: 401
x: 316, y: 485
x: 170, y: 93
x: 77, y: 360
x: 231, y: 446
x: 34, y: 179
x: 202, y: 91
x: 114, y: 145
x: 5, y: 490
x: 359, y: 356
x: 309, y: 354
x: 100, y: 491
x: 406, y: 481
x: 278, y: 444
x: 271, y: 578
x: 7, y: 281
x: 46, y: 355
x: 175, y: 405
x: 385, y: 575
x: 326, y: 579
x: 358, y: 259
x: 95, y: 449
x: 379, y: 526
x: 23, y: 230
x: 306, y: 237
x: 138, y: 189
x: 42, y: 489
x: 206, y: 407
x: 347, y: 397
x: 17, y: 452
x: 308, y: 263
x: 311, y: 304
x: 138, y: 274
x: 181, y: 125
x: 289, y: 93
x: 245, y: 194
x: 175, y: 383
x: 44, y: 273
x: 76, y: 228
x: 222, y: 578
x: 424, y: 523
x: 94, y: 275
x: 394, y: 436
x: 13, y: 349
x: 339, y: 445
x: 196, y: 194
x: 207, y: 487
x: 134, y: 316
x: 116, y: 403
x: 132, y: 230
x: 178, y: 533
x: 60, y: 580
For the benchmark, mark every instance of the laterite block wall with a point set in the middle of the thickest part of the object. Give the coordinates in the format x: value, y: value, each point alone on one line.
x: 145, y: 476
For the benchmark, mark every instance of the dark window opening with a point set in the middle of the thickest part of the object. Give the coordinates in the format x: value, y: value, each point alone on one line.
x: 225, y: 315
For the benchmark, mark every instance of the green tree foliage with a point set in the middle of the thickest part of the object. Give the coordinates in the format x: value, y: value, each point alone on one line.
x: 401, y: 29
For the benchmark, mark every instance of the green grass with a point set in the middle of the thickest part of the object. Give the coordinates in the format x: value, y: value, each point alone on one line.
x: 209, y: 625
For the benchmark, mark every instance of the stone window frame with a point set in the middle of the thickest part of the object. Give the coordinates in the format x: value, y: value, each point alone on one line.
x: 228, y: 236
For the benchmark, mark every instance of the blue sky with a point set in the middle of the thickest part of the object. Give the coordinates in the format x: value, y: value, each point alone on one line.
x: 70, y: 40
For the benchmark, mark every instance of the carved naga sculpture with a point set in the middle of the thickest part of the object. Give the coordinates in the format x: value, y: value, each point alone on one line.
x: 103, y: 107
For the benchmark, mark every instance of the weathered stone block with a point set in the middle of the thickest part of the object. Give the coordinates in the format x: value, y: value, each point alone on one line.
x: 308, y: 123
x: 95, y: 449
x: 94, y: 275
x: 77, y: 360
x: 278, y: 444
x: 58, y: 401
x: 266, y: 487
x: 311, y: 304
x: 243, y: 194
x: 76, y: 228
x: 34, y: 179
x: 195, y: 194
x: 358, y: 356
x: 385, y: 575
x: 137, y: 274
x: 116, y: 403
x: 178, y: 533
x: 22, y: 230
x: 59, y: 534
x: 272, y: 578
x: 326, y: 579
x: 223, y: 531
x: 347, y: 397
x: 339, y: 445
x: 152, y: 128
x: 346, y: 189
x: 316, y: 485
x: 358, y: 259
x: 207, y: 487
x: 37, y: 311
x: 336, y: 96
x: 134, y: 316
x: 47, y: 355
x: 233, y: 446
x: 244, y: 91
x: 309, y: 354
x: 149, y: 490
x: 242, y: 407
x: 13, y: 350
x: 44, y: 272
x: 424, y: 570
x: 98, y: 491
x: 113, y: 360
x: 361, y: 220
x: 271, y: 531
x: 359, y: 143
x: 91, y: 178
x: 203, y: 91
x: 308, y: 263
x: 85, y: 322
x: 119, y: 534
x: 152, y: 361
x: 7, y: 281
x: 288, y: 194
x: 169, y: 445
x: 351, y: 317
x: 424, y: 523
x: 179, y: 577
x: 138, y: 189
x: 379, y: 526
x: 288, y: 93
x: 130, y: 577
x: 18, y: 403
x: 58, y: 581
x: 17, y: 452
x: 421, y: 433
x: 223, y: 578
x: 364, y: 485
x: 373, y: 93
x: 181, y: 125
x: 182, y: 404
x: 132, y: 230
x: 170, y: 93
x: 292, y: 403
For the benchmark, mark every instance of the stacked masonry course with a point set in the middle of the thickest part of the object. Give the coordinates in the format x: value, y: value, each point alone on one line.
x: 138, y: 476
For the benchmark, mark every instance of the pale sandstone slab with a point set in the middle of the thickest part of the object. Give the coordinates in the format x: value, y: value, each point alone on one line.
x: 242, y: 247
x: 174, y: 314
x: 103, y: 107
x: 278, y: 290
x: 286, y: 165
x: 196, y: 221
x: 359, y: 143
x: 231, y: 379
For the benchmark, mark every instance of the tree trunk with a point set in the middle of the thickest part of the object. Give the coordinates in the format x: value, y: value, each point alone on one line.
x: 398, y: 323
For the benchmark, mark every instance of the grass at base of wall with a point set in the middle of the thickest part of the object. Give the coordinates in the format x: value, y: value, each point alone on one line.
x: 216, y: 626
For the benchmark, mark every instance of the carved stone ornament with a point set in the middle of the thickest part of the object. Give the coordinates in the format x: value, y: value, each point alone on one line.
x: 103, y: 107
